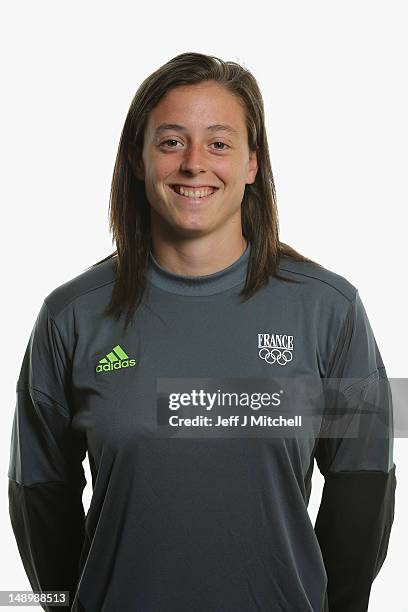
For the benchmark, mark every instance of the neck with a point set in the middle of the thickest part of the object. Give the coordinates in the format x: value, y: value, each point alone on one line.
x: 198, y: 258
x: 231, y: 276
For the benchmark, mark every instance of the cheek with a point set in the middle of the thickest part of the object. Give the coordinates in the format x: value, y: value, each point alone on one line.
x: 157, y: 168
x: 234, y: 183
x: 154, y: 185
x: 156, y: 190
x: 231, y: 174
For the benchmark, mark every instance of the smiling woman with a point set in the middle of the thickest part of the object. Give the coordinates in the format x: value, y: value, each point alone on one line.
x: 201, y: 296
x: 198, y: 230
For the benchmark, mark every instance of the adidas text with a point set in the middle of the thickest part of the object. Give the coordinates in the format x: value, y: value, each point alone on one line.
x: 108, y: 367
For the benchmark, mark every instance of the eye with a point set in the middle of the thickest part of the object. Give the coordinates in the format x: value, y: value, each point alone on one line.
x: 221, y: 143
x: 169, y: 140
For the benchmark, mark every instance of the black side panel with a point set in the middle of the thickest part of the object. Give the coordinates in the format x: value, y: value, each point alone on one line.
x: 48, y: 524
x: 353, y: 528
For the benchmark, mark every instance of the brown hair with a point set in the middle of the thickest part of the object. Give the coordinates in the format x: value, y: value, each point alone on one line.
x: 129, y: 214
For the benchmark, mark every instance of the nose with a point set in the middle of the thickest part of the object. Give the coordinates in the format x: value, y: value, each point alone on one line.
x: 193, y: 159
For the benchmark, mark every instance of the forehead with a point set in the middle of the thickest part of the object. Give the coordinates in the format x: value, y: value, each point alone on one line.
x: 203, y: 106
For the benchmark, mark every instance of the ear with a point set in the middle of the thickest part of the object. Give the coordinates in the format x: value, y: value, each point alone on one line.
x: 136, y: 163
x: 252, y: 167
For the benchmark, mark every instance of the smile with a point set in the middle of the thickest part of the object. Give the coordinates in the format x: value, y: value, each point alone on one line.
x: 199, y: 194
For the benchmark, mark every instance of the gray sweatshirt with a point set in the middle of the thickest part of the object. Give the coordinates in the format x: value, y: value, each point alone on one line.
x: 204, y: 517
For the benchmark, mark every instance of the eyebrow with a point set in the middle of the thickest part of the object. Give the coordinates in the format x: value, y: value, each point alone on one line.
x: 212, y: 128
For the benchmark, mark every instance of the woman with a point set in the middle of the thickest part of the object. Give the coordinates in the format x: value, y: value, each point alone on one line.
x: 200, y: 295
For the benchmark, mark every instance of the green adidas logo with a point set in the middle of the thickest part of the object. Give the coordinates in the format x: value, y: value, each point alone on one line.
x: 115, y: 360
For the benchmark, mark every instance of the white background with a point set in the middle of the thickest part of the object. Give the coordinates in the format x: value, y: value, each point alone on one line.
x: 333, y: 79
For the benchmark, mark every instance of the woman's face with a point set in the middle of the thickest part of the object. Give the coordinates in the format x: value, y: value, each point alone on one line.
x: 192, y: 152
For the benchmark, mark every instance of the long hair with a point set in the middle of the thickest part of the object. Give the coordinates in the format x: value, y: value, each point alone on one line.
x: 129, y: 214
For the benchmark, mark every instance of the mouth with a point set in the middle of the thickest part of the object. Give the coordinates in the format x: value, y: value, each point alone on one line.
x: 195, y: 196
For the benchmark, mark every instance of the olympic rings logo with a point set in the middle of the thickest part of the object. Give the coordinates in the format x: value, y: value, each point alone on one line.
x: 275, y: 355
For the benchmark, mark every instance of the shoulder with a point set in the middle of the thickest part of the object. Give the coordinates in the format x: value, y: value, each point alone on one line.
x: 98, y: 278
x: 318, y: 279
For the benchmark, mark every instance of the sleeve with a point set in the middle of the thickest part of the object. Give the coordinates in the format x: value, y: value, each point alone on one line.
x: 354, y: 453
x: 46, y: 477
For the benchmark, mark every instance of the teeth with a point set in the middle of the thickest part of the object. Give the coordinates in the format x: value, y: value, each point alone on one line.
x: 194, y: 193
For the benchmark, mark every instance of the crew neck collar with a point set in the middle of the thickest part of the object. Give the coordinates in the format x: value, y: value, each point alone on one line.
x: 208, y: 284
